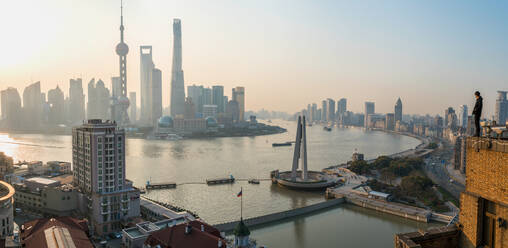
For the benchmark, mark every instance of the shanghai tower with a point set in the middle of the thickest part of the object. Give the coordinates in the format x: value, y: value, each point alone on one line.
x: 177, y: 83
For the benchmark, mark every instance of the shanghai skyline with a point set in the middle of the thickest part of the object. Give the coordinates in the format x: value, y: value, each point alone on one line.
x: 423, y: 53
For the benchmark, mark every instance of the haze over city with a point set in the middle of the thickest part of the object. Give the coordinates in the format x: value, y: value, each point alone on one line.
x: 285, y: 53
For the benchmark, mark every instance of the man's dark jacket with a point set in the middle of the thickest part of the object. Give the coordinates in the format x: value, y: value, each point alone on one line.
x: 477, y: 110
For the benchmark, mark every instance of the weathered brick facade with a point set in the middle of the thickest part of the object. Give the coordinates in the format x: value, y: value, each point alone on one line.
x: 486, y: 181
x: 483, y: 219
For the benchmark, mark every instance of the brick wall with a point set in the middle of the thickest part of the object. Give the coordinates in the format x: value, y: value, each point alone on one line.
x: 487, y: 169
x: 487, y: 178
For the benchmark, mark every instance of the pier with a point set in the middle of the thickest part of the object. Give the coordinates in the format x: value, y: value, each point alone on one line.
x: 220, y: 181
x: 161, y: 186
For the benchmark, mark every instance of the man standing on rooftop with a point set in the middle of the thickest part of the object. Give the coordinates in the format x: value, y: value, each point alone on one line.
x: 477, y: 112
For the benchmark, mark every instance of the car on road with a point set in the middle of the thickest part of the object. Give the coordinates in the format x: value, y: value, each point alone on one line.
x: 115, y: 235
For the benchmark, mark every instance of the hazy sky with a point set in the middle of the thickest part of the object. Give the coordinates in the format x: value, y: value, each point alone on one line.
x: 287, y: 53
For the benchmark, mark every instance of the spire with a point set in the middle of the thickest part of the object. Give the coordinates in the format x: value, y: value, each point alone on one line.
x: 121, y: 21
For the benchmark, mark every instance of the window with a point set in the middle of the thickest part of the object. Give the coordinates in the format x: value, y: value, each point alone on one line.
x: 488, y: 223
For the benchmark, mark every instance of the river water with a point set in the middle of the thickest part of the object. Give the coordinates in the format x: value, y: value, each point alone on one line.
x: 190, y: 162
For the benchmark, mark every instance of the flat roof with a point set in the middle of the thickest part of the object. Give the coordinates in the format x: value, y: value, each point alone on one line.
x: 42, y: 180
x: 380, y: 194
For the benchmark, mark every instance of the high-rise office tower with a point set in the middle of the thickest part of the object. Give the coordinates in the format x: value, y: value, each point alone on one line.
x: 146, y: 73
x: 207, y: 96
x: 233, y: 110
x: 314, y: 114
x: 324, y: 116
x: 370, y: 108
x: 133, y: 106
x: 11, y: 107
x: 121, y: 103
x: 218, y: 97
x: 447, y: 113
x: 98, y: 160
x: 331, y: 110
x: 390, y: 121
x: 99, y: 100
x: 195, y: 92
x: 342, y: 106
x: 398, y: 110
x: 177, y: 81
x: 463, y: 116
x: 501, y: 114
x: 156, y: 102
x: 76, y: 101
x: 56, y: 101
x: 239, y: 96
x: 32, y: 105
x: 116, y: 87
x: 190, y: 109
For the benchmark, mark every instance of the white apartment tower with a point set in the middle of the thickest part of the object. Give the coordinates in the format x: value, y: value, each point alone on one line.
x: 98, y: 157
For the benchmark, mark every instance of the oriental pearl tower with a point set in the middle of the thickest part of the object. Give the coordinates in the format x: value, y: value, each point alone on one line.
x: 121, y: 103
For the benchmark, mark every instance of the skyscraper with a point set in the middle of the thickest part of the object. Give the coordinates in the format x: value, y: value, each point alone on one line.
x: 463, y: 116
x: 190, y: 109
x: 121, y: 103
x: 218, y: 97
x: 76, y: 101
x: 177, y: 81
x: 145, y: 84
x: 447, y: 113
x: 98, y: 159
x: 370, y: 108
x: 56, y: 101
x: 207, y: 96
x: 342, y: 106
x: 324, y: 116
x: 133, y: 106
x: 390, y: 121
x: 501, y: 114
x: 195, y: 92
x: 156, y: 95
x: 239, y: 96
x: 11, y: 107
x: 331, y: 110
x: 313, y: 112
x: 98, y: 100
x: 398, y: 110
x: 32, y: 105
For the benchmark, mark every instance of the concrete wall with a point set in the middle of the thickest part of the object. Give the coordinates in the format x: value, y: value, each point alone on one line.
x: 229, y: 226
x: 390, y: 210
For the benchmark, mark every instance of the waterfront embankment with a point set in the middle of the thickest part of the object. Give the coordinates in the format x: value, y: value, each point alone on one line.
x: 269, y: 218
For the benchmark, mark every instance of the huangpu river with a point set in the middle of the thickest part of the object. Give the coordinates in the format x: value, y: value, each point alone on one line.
x: 190, y: 162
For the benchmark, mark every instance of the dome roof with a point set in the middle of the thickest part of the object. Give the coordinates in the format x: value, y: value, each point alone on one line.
x: 166, y: 122
x: 241, y: 230
x: 211, y: 122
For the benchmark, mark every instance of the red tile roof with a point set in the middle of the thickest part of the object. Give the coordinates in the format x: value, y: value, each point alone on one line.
x: 33, y: 232
x: 175, y: 236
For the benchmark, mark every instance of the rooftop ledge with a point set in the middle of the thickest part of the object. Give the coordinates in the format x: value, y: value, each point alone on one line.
x: 486, y: 143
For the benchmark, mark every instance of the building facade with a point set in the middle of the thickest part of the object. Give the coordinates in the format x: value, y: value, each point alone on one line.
x: 501, y: 114
x: 239, y: 97
x: 98, y: 154
x: 370, y: 108
x: 398, y: 110
x: 6, y: 209
x: 76, y: 101
x: 99, y: 100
